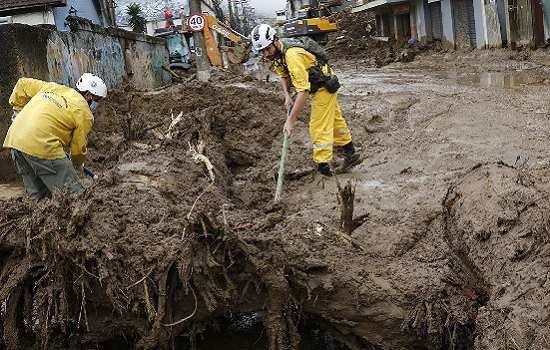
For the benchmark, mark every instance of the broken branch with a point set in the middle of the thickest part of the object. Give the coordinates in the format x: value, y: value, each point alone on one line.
x: 172, y: 73
x: 196, y: 153
x: 173, y: 124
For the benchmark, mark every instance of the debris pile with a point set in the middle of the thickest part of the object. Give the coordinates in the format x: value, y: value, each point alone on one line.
x: 431, y: 252
x: 148, y: 251
x: 179, y: 231
x: 357, y: 38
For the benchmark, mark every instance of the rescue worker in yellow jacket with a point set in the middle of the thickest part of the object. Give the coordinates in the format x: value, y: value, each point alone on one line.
x: 48, y: 117
x: 327, y: 127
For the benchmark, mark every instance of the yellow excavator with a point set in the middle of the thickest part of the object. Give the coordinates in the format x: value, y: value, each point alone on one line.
x: 239, y: 52
x: 315, y: 21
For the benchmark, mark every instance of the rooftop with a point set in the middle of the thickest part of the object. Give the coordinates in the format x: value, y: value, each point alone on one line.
x: 20, y: 4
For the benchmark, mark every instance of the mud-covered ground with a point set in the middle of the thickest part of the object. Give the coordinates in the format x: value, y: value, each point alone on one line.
x: 453, y: 254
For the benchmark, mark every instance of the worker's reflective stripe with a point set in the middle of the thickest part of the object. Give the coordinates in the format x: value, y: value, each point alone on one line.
x: 323, y: 145
x: 341, y: 131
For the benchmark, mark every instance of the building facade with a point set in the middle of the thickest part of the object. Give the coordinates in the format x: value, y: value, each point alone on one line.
x: 54, y: 12
x: 463, y: 23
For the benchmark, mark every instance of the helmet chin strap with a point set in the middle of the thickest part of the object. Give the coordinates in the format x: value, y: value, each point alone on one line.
x: 278, y: 51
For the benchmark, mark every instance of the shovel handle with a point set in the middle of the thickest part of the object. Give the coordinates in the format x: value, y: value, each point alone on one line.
x: 89, y: 173
x: 86, y: 170
x: 281, y: 175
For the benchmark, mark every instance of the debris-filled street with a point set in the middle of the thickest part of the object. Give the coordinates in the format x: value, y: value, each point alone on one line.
x: 449, y: 251
x: 438, y: 239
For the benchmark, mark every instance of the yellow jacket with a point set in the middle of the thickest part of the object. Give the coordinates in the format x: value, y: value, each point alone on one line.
x: 51, y: 117
x: 295, y: 64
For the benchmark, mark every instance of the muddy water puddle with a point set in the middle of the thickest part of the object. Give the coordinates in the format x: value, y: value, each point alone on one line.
x: 496, y: 79
x: 11, y: 191
x: 247, y: 332
x: 387, y: 80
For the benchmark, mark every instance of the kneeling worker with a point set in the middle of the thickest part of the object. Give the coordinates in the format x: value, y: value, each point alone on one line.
x: 327, y: 128
x: 48, y: 117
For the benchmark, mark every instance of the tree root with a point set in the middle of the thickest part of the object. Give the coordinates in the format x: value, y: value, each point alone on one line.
x: 281, y: 330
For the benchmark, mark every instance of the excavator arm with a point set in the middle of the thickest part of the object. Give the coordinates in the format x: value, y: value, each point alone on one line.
x: 236, y: 54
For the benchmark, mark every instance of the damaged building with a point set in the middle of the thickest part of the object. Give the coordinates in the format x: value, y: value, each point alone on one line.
x: 463, y: 23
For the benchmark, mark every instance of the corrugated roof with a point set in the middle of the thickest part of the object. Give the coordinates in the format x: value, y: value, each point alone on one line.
x: 19, y: 4
x: 374, y: 4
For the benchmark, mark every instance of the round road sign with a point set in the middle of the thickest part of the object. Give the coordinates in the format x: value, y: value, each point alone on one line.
x: 196, y: 23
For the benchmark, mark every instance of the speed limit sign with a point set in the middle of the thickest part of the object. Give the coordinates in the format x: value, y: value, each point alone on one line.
x: 196, y: 23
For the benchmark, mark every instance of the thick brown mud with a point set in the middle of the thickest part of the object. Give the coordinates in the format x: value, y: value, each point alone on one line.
x: 179, y: 233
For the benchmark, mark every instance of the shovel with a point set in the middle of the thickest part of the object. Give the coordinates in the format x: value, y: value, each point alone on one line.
x: 89, y: 173
x: 279, y: 190
x: 86, y: 170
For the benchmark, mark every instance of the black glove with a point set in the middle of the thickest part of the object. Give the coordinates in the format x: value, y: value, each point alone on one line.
x: 15, y: 113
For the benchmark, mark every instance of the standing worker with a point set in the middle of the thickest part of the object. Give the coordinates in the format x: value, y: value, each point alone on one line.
x: 47, y: 117
x: 327, y: 128
x: 169, y: 17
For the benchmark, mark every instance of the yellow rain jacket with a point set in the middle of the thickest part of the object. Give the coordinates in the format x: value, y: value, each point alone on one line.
x: 327, y: 127
x: 51, y: 117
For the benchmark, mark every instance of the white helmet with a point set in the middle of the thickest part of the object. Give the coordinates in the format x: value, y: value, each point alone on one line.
x: 262, y: 36
x: 92, y: 83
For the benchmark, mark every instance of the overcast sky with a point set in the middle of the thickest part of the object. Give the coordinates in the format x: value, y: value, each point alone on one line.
x: 268, y: 6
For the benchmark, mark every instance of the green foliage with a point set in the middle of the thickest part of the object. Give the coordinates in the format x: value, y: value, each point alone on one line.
x: 137, y: 21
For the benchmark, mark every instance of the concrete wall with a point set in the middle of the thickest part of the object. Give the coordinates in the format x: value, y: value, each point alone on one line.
x: 502, y: 14
x: 420, y: 11
x: 448, y: 27
x: 67, y: 58
x: 479, y: 15
x: 490, y: 26
x: 546, y: 14
x: 414, y: 19
x: 519, y: 24
x: 461, y: 25
x: 46, y: 54
x: 20, y: 56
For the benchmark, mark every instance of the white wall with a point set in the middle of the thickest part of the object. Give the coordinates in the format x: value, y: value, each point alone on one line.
x: 448, y: 20
x: 481, y: 22
x: 45, y: 17
x: 152, y: 25
x: 422, y: 19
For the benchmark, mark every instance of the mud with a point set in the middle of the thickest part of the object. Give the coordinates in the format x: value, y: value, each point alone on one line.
x: 357, y: 38
x: 455, y: 246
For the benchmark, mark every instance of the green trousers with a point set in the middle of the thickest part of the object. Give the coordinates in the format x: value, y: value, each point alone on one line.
x: 42, y: 177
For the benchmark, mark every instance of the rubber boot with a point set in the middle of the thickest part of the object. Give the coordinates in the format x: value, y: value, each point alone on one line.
x: 324, y: 169
x: 351, y: 159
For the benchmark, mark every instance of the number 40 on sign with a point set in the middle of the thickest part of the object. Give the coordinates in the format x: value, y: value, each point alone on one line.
x: 196, y: 22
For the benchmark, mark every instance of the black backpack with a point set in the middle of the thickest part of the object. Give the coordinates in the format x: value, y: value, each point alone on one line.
x: 308, y: 44
x: 317, y: 78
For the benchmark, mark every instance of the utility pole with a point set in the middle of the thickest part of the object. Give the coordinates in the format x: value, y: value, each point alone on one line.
x: 108, y: 13
x: 111, y: 5
x: 231, y: 14
x: 237, y: 26
x: 203, y: 64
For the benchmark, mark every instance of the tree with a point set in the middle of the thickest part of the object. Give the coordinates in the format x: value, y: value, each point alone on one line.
x: 137, y: 21
x: 218, y: 10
